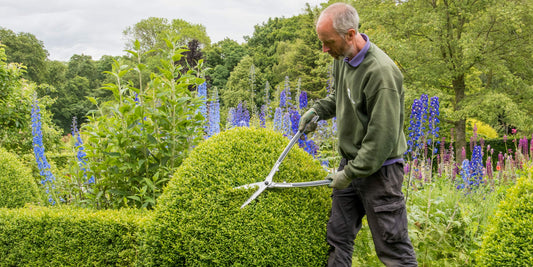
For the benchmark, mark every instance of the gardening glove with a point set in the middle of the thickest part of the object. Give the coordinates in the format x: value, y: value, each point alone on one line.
x: 339, y: 180
x: 305, y: 120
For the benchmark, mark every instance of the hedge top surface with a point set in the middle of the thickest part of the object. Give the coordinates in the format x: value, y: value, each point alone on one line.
x: 69, y: 236
x: 199, y: 221
x: 17, y: 186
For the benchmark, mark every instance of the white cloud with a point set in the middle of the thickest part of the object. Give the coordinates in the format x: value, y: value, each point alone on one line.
x: 94, y: 27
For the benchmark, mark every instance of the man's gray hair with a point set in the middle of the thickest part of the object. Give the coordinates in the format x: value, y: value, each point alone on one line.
x: 344, y: 17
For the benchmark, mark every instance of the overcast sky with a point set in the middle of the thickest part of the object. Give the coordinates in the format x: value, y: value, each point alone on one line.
x: 94, y: 27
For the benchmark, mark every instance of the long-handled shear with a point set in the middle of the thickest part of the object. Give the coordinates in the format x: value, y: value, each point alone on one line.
x: 268, y: 183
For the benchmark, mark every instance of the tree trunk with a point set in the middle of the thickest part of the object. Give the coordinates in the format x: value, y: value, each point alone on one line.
x: 460, y: 125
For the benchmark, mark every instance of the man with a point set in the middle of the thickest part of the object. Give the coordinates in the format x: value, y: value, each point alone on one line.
x: 367, y: 99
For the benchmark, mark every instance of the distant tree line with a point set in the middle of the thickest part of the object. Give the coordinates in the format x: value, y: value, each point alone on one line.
x: 474, y: 55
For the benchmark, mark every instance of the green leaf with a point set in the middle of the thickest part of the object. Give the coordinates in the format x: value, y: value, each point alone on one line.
x: 92, y: 100
x: 112, y: 154
x: 151, y: 139
x: 149, y: 183
x: 136, y: 198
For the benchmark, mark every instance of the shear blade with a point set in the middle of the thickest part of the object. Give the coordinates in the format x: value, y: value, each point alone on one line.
x: 248, y: 186
x: 262, y: 188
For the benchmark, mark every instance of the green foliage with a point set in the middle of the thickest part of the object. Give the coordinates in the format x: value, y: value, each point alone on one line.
x: 73, y: 83
x: 17, y: 186
x: 283, y: 47
x: 199, y: 222
x: 239, y: 86
x: 301, y: 61
x: 508, y: 240
x: 16, y: 95
x: 483, y: 130
x: 462, y: 49
x: 446, y: 225
x: 26, y: 49
x: 66, y: 236
x: 138, y: 139
x: 221, y: 58
x: 11, y: 94
x: 151, y: 33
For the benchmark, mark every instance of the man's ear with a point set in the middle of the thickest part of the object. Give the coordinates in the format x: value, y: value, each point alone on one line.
x: 350, y: 35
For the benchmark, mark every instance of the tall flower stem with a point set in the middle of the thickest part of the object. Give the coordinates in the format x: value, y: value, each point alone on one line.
x: 48, y: 180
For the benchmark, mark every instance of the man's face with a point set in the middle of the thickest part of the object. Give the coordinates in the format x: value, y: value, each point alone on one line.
x: 332, y: 43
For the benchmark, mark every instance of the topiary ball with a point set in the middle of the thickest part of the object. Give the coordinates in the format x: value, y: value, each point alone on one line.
x: 17, y: 186
x: 198, y: 220
x: 508, y: 240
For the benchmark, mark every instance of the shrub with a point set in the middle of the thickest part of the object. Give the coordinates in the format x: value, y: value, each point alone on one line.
x: 508, y: 240
x: 136, y: 141
x: 199, y: 222
x: 17, y: 186
x: 41, y: 236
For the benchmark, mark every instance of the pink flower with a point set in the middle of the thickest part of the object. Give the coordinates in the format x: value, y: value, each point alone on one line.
x: 513, y: 131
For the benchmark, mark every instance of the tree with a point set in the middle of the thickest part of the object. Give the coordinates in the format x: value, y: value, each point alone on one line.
x: 451, y: 47
x: 151, y: 33
x: 25, y: 48
x: 239, y: 87
x: 186, y: 32
x: 81, y: 79
x: 83, y: 66
x: 56, y: 73
x: 299, y: 62
x: 294, y: 37
x: 221, y: 58
x: 16, y: 99
x: 191, y: 57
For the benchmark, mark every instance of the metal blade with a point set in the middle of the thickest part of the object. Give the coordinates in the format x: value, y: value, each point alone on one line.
x: 262, y: 188
x: 293, y: 141
x: 300, y: 184
x: 248, y: 186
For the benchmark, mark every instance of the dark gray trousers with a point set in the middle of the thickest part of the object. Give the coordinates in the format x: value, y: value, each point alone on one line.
x: 379, y: 197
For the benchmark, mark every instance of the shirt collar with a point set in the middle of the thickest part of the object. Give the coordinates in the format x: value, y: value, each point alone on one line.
x: 361, y: 55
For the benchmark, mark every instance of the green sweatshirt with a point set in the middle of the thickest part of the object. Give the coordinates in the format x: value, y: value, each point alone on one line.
x: 368, y: 101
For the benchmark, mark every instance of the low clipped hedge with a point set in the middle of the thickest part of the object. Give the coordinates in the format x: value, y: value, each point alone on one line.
x: 199, y: 222
x: 17, y: 186
x: 67, y: 236
x: 508, y: 240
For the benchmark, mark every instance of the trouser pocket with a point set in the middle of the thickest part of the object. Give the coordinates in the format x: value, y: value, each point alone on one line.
x: 392, y: 220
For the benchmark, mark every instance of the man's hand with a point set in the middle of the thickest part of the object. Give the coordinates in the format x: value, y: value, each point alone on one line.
x: 305, y: 120
x: 339, y: 180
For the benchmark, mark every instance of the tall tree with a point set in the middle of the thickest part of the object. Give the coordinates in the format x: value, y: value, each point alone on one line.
x: 221, y: 58
x: 191, y: 57
x: 83, y: 66
x: 241, y: 84
x: 81, y: 78
x: 447, y: 47
x: 151, y: 33
x: 282, y: 35
x: 25, y: 48
x: 299, y: 62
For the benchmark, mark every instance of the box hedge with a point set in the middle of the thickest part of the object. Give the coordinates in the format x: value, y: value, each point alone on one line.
x: 17, y: 185
x: 199, y: 222
x: 508, y: 240
x: 67, y: 236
